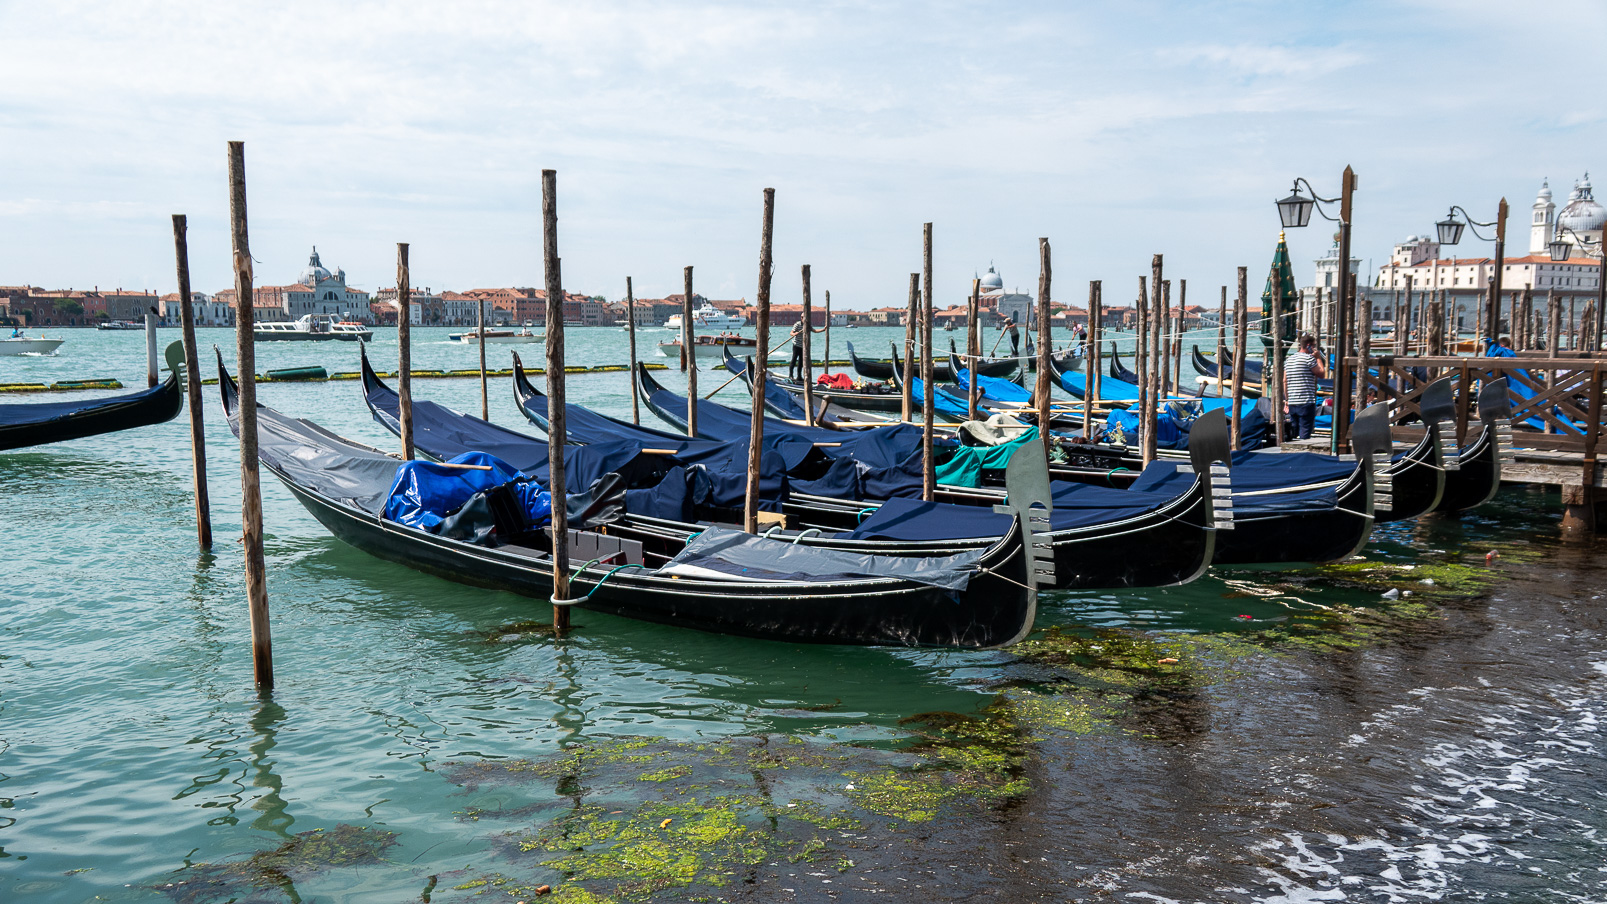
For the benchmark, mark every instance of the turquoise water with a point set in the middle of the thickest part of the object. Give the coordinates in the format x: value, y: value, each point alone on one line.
x: 133, y: 744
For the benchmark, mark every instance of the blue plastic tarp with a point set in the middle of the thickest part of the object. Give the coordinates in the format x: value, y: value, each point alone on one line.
x: 1164, y: 477
x: 425, y: 492
x: 994, y: 389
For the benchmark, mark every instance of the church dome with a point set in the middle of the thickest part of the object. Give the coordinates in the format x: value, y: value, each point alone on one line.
x: 315, y: 270
x: 1582, y: 214
x: 991, y: 280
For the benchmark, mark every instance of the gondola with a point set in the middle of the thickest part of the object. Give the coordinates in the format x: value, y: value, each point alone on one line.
x: 787, y: 404
x: 1253, y: 371
x: 795, y: 593
x: 38, y: 423
x: 1478, y: 474
x: 1101, y: 538
x: 891, y: 370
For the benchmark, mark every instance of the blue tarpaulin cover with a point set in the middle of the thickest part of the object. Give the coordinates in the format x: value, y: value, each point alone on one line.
x: 425, y: 492
x: 994, y: 389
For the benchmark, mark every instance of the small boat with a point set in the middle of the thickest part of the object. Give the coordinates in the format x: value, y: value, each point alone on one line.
x: 38, y: 423
x: 708, y: 317
x: 708, y: 578
x: 709, y: 346
x: 876, y: 369
x: 28, y: 345
x: 114, y: 325
x: 497, y: 337
x: 311, y: 328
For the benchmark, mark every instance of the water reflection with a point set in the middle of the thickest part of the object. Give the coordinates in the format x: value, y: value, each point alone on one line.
x: 275, y: 816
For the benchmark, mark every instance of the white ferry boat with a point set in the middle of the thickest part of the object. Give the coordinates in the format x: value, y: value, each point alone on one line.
x: 311, y: 328
x: 708, y: 317
x: 497, y: 337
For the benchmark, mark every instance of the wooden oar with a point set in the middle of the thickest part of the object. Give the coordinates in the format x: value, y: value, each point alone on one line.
x: 734, y: 376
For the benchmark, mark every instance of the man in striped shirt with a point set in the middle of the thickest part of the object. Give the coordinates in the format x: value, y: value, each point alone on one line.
x: 1301, y: 371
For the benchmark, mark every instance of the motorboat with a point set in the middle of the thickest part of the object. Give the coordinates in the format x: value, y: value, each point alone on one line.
x: 19, y: 344
x: 311, y: 328
x: 710, y: 346
x: 708, y: 317
x: 120, y: 325
x: 498, y: 337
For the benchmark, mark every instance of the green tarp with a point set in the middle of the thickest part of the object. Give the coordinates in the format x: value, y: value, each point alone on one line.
x: 965, y: 468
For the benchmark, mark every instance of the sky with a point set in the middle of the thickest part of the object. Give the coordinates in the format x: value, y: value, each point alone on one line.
x: 1115, y: 130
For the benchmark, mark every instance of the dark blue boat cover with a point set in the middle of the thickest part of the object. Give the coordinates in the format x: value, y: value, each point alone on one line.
x: 733, y: 553
x: 425, y: 492
x: 25, y: 413
x: 1164, y: 476
x: 942, y: 403
x: 1254, y: 471
x: 1076, y: 505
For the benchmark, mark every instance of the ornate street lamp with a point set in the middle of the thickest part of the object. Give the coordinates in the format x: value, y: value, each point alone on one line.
x: 1561, y: 249
x: 1295, y: 212
x: 1450, y: 232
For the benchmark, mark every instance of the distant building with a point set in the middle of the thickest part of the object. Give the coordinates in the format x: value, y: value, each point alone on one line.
x: 205, y: 310
x: 1005, y: 306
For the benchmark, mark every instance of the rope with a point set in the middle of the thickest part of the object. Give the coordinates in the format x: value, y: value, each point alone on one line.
x: 600, y: 582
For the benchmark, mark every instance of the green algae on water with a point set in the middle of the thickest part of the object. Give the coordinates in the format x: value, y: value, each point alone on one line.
x: 275, y: 872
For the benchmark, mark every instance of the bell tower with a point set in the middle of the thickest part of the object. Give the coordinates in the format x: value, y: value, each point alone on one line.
x: 1543, y: 223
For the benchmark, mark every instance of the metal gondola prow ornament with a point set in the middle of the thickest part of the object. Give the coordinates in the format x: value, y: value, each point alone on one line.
x: 1029, y: 497
x: 1370, y: 439
x: 1210, y: 453
x: 1437, y: 405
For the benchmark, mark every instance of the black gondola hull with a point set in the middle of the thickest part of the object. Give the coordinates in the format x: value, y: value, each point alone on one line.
x: 1329, y: 535
x: 1417, y: 482
x: 126, y: 412
x: 1478, y: 478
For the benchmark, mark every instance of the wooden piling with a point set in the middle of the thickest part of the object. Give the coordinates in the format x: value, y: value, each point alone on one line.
x: 825, y: 367
x: 688, y: 344
x: 1553, y: 324
x: 1140, y: 354
x: 1153, y: 377
x: 808, y: 354
x: 151, y: 367
x: 557, y: 434
x: 1177, y: 337
x: 1091, y: 357
x: 485, y: 395
x: 1272, y: 362
x: 1222, y: 339
x: 928, y: 461
x: 750, y: 501
x: 973, y: 345
x: 1041, y: 393
x: 250, y: 483
x: 911, y: 318
x: 1241, y: 311
x: 404, y: 349
x: 1163, y: 336
x: 630, y: 315
x: 192, y: 380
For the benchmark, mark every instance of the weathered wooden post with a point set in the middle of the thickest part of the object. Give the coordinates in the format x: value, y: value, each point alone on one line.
x: 250, y: 484
x: 192, y: 380
x: 911, y: 318
x: 630, y: 320
x: 928, y: 462
x: 1153, y: 377
x: 1177, y: 336
x: 1091, y: 359
x: 1163, y: 341
x: 808, y: 353
x: 557, y: 435
x: 973, y: 345
x: 1222, y: 342
x: 1317, y: 318
x: 1140, y: 352
x: 485, y: 396
x: 1041, y: 393
x: 1402, y: 346
x: 1553, y: 324
x: 404, y: 349
x: 1272, y: 365
x: 825, y: 367
x: 151, y: 367
x: 1241, y: 311
x: 688, y: 343
x: 750, y: 501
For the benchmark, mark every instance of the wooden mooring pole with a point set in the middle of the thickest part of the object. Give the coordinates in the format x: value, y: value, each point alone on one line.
x: 928, y: 461
x: 808, y: 353
x: 1152, y: 364
x: 485, y: 397
x: 557, y: 436
x: 192, y: 380
x: 1241, y: 312
x: 688, y: 344
x: 750, y: 499
x: 152, y: 369
x: 825, y: 367
x: 630, y: 325
x: 1091, y: 359
x: 911, y: 319
x: 1041, y: 392
x: 973, y: 345
x: 250, y: 483
x: 404, y: 349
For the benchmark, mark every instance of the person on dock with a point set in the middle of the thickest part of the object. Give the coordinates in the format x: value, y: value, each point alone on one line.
x: 1301, y: 371
x: 1502, y: 349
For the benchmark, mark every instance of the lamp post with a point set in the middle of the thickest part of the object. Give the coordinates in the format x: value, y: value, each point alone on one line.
x: 1295, y: 212
x: 1560, y: 251
x: 1450, y: 232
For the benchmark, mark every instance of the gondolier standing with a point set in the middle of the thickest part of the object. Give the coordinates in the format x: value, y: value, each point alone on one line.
x: 1015, y: 337
x: 1301, y: 371
x: 795, y: 369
